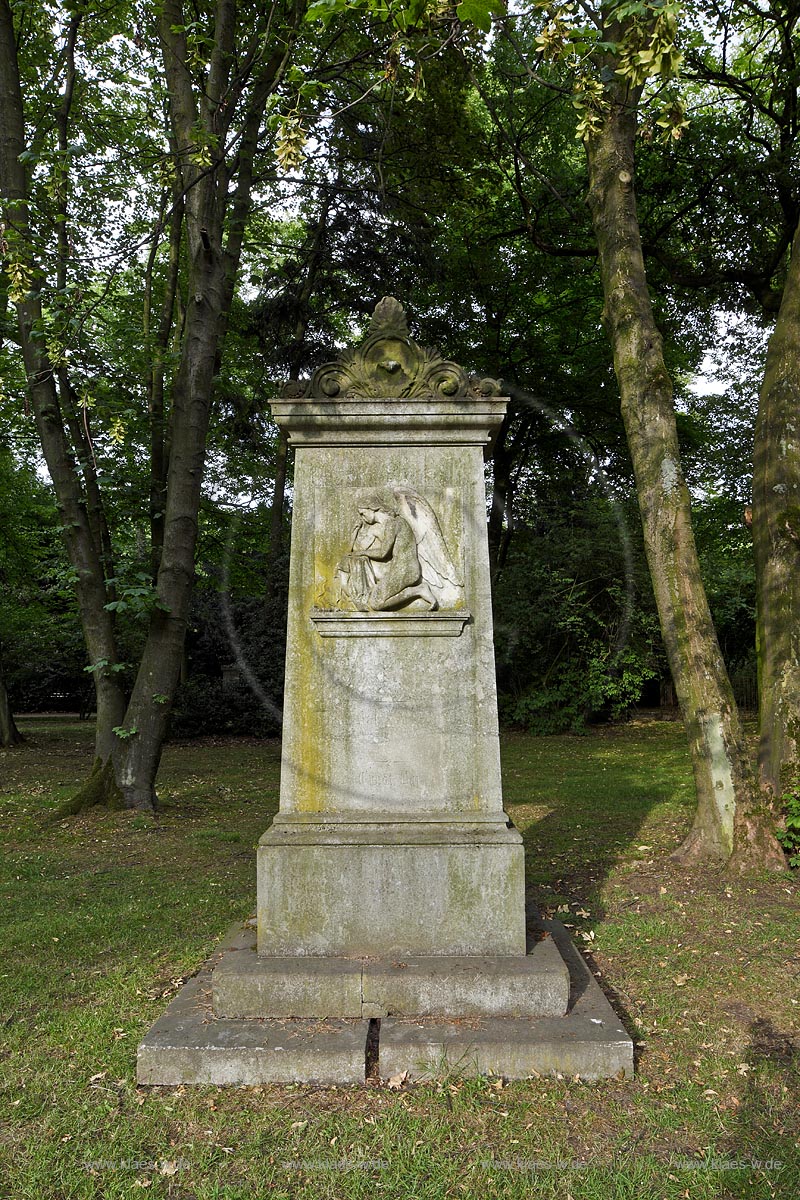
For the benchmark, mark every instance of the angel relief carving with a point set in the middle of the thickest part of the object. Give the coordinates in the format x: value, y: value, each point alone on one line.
x: 397, y: 557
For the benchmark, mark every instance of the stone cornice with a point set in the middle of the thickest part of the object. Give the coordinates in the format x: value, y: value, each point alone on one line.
x: 389, y: 420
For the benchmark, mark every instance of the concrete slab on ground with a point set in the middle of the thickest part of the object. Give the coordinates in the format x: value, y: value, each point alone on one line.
x: 187, y: 1044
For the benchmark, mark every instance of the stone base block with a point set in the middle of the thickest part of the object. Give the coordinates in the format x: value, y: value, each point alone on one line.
x: 391, y: 891
x: 534, y: 986
x: 188, y: 1044
x: 590, y: 1041
x: 248, y: 985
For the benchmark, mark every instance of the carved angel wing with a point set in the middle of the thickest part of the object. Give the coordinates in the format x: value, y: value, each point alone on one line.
x: 438, y: 569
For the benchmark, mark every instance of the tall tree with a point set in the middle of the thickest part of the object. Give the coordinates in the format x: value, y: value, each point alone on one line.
x: 219, y: 72
x: 74, y: 480
x: 633, y: 42
x: 776, y: 539
x: 752, y: 69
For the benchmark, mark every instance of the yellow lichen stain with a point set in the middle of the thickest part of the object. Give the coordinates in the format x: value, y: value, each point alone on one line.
x: 309, y: 770
x: 322, y: 583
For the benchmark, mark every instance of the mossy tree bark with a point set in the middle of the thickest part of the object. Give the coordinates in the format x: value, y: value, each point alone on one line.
x: 776, y: 540
x: 730, y: 826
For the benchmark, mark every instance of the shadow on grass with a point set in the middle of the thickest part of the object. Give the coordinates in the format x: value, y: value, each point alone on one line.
x: 583, y: 805
x: 588, y: 802
x: 761, y: 1156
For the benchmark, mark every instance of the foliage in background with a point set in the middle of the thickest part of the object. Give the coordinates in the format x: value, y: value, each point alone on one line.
x: 466, y: 201
x: 789, y: 835
x: 575, y: 625
x: 40, y: 635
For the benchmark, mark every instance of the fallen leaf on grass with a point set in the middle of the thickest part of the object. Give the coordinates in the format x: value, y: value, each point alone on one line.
x: 395, y: 1082
x: 680, y: 980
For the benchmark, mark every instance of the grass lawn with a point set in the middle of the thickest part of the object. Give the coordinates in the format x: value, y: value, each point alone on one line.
x: 104, y: 915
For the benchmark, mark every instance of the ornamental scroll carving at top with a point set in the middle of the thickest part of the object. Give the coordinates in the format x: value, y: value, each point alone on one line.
x: 389, y: 363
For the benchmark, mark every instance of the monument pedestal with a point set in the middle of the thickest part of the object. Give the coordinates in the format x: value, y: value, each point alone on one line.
x: 391, y: 887
x: 391, y: 882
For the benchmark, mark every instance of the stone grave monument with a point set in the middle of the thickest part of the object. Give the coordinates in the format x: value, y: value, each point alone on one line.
x: 391, y: 931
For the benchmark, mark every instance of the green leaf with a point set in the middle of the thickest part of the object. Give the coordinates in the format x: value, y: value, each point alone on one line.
x: 124, y: 733
x: 323, y: 10
x: 477, y: 12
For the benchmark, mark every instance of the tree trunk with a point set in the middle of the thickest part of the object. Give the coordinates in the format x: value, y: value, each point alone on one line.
x: 9, y: 734
x: 296, y: 355
x: 276, y: 512
x: 500, y: 508
x: 137, y: 753
x: 85, y: 554
x: 216, y: 202
x: 157, y: 346
x: 729, y: 826
x: 776, y: 540
x: 215, y: 218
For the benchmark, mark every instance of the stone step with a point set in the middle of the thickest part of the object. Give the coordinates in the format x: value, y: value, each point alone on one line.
x: 246, y: 984
x: 188, y: 1044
